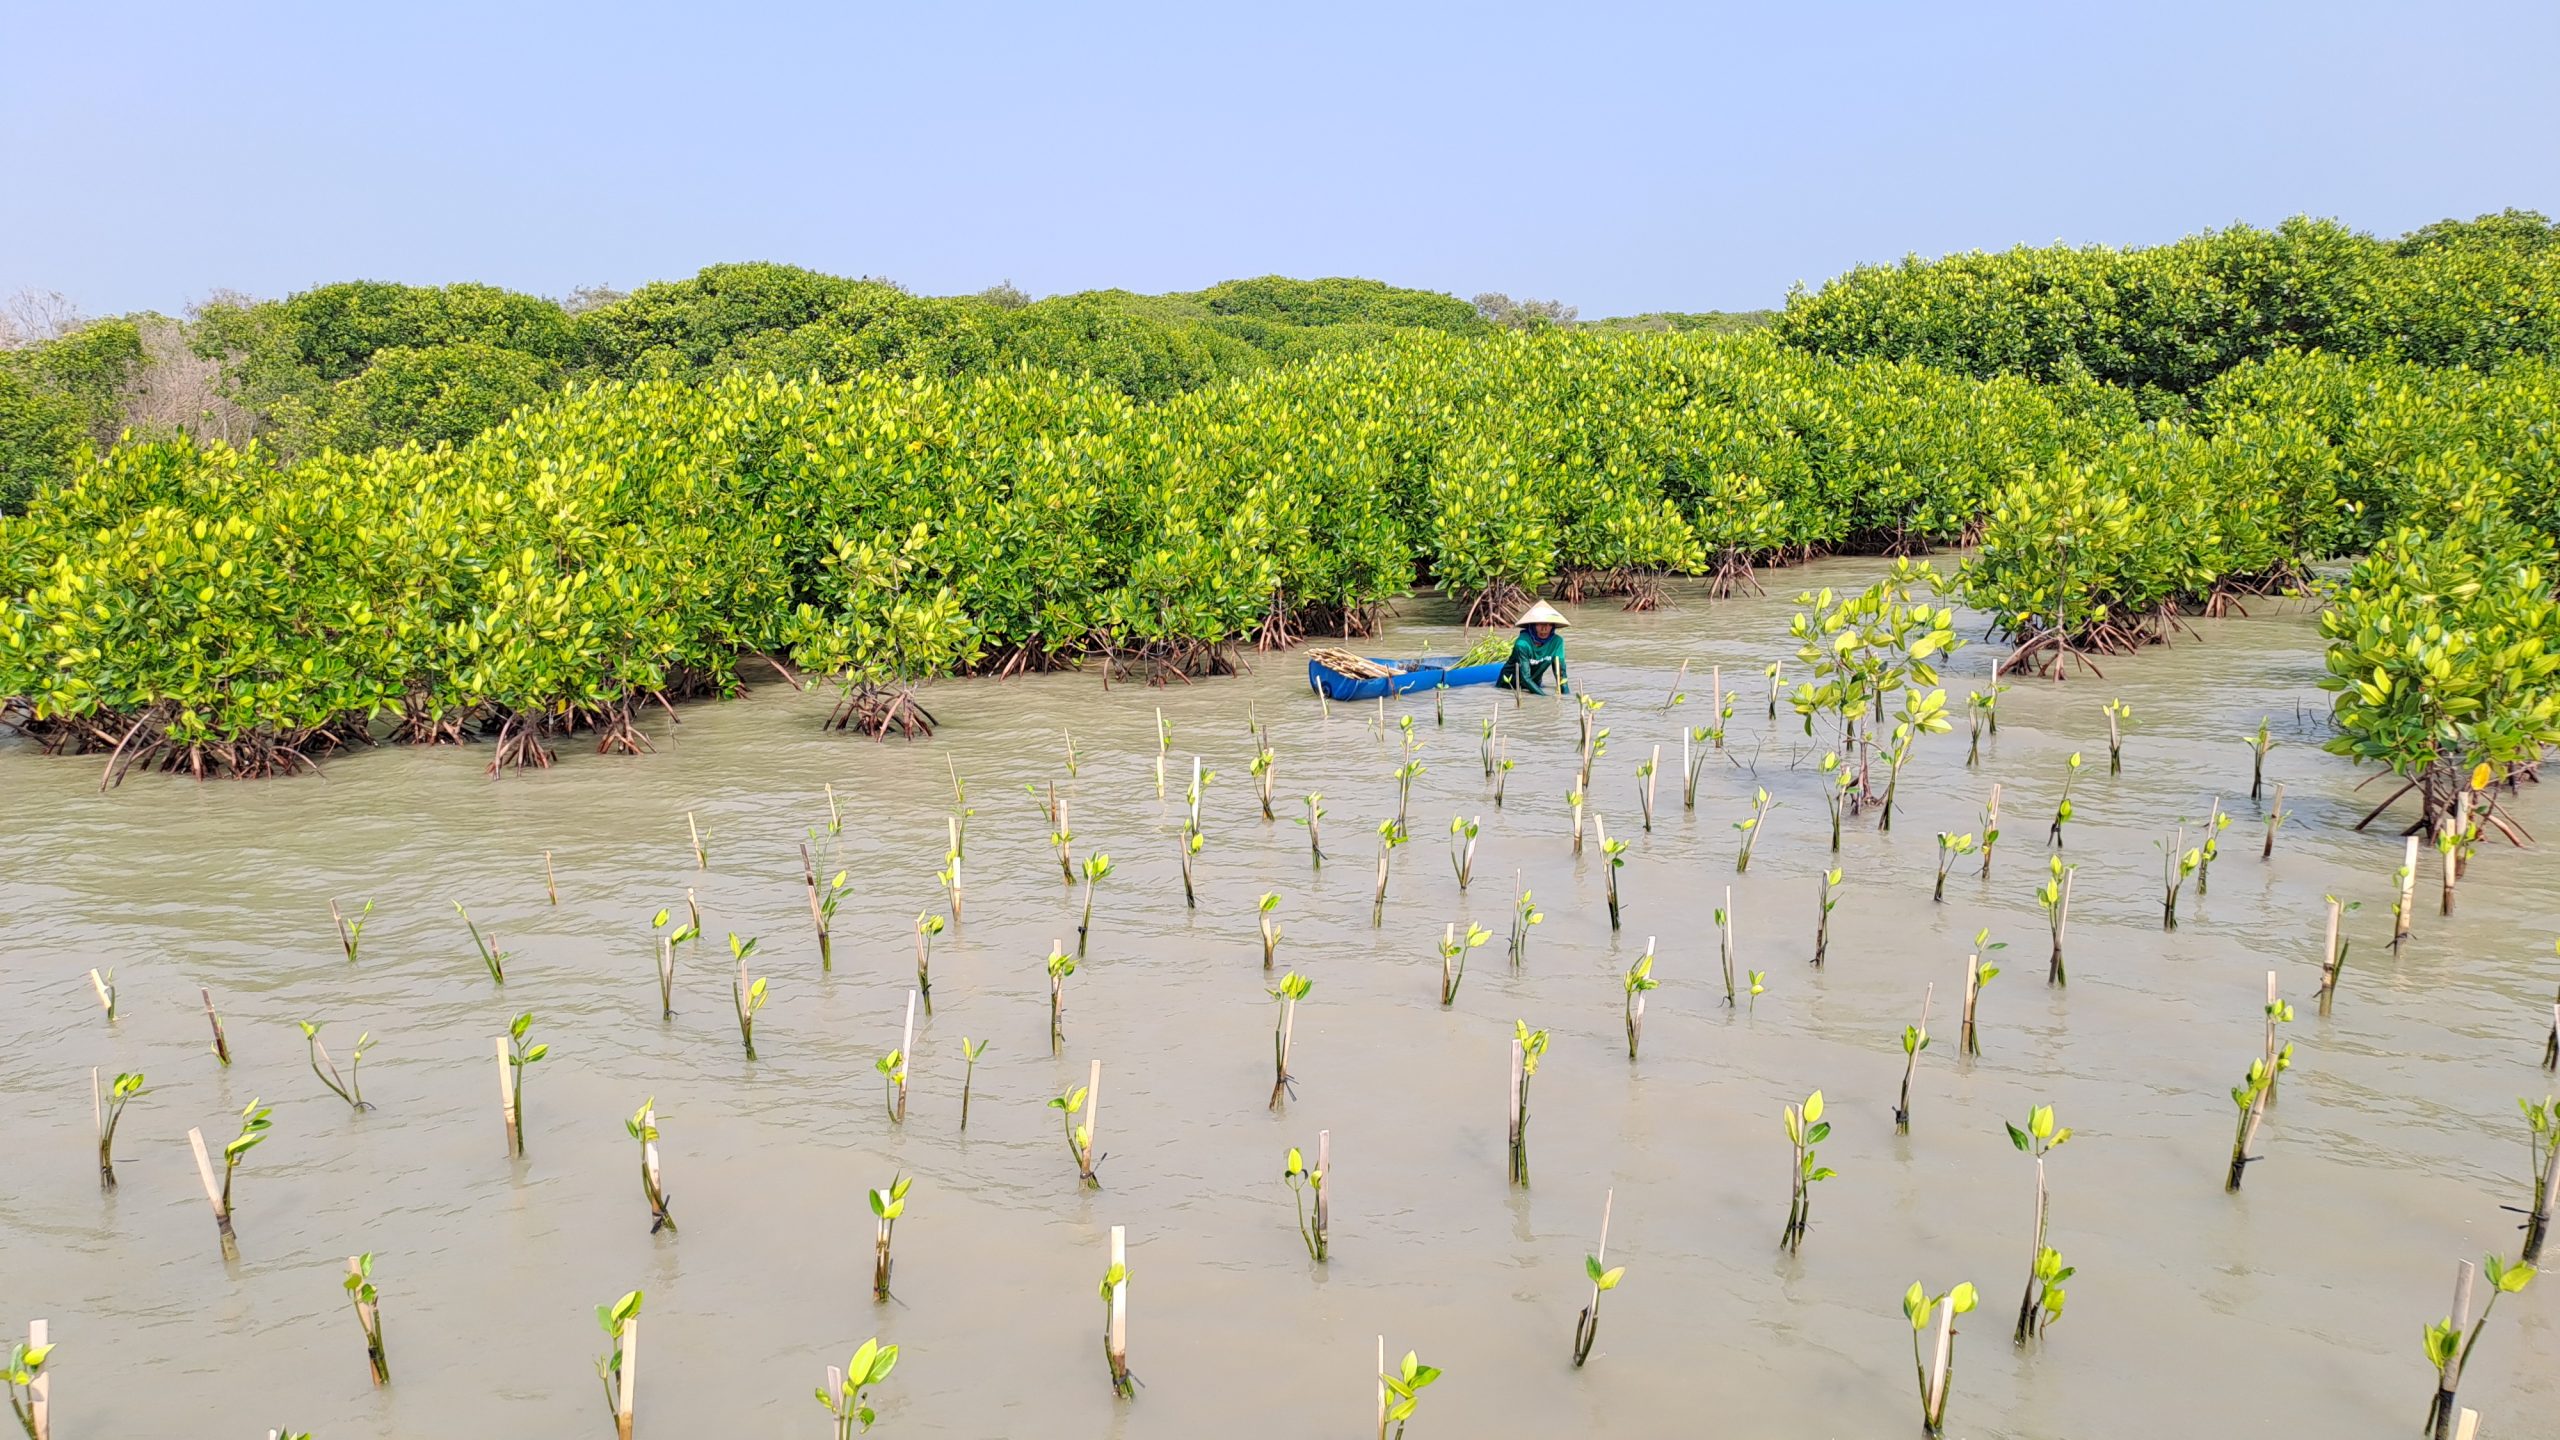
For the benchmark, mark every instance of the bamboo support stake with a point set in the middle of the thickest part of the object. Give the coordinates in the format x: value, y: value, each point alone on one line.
x: 369, y: 1320
x: 817, y: 914
x: 1518, y: 1079
x: 507, y: 1101
x: 628, y: 1344
x: 701, y: 861
x: 2331, y: 960
x: 906, y: 1056
x: 2551, y: 1045
x: 1382, y: 1343
x: 1117, y: 1341
x: 1938, y: 1367
x: 1323, y: 1184
x: 2275, y: 817
x: 1968, y: 1042
x: 1717, y: 679
x: 213, y: 1196
x: 2468, y: 1426
x: 1990, y: 828
x: 952, y: 824
x: 2408, y: 895
x: 213, y: 1017
x: 1092, y: 1122
x: 550, y: 882
x: 666, y: 978
x: 106, y: 996
x: 40, y: 1390
x: 2453, y: 853
x: 2450, y: 1379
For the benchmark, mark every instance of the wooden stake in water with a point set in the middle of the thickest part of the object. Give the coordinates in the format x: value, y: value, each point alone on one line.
x: 2440, y: 1415
x: 507, y: 1100
x: 1914, y: 1041
x: 1968, y: 1040
x: 1323, y: 1188
x: 666, y: 978
x: 1938, y: 1367
x: 106, y: 993
x: 369, y: 1320
x: 2333, y: 957
x: 213, y: 1017
x: 701, y: 861
x: 2401, y: 917
x: 1092, y: 1126
x: 1116, y: 1339
x: 1586, y: 1330
x: 1990, y: 828
x: 2275, y: 817
x: 40, y: 1389
x: 627, y: 1345
x: 550, y: 883
x: 906, y: 1052
x: 817, y: 912
x: 213, y: 1196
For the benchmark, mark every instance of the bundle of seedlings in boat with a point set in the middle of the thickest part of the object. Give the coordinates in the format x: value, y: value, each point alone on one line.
x: 1302, y: 1182
x: 1639, y: 981
x: 886, y: 1206
x: 350, y: 1088
x: 1060, y: 966
x: 667, y: 943
x: 1915, y: 1038
x: 2062, y: 807
x: 1920, y: 714
x: 1527, y: 1046
x: 1462, y: 847
x: 2054, y: 895
x: 213, y: 1017
x: 969, y: 1053
x: 2276, y: 815
x: 1293, y: 987
x: 822, y: 907
x: 2333, y: 953
x: 2449, y: 1341
x: 1990, y: 828
x: 1524, y: 914
x: 1614, y: 857
x: 642, y: 1127
x: 1270, y: 925
x: 619, y: 1367
x: 1586, y: 1327
x: 2175, y: 866
x: 254, y: 1125
x: 1097, y: 867
x: 2216, y: 821
x: 1390, y: 835
x: 2042, y: 1305
x: 105, y: 986
x: 746, y: 993
x: 1088, y: 1099
x: 517, y: 1051
x: 108, y: 1108
x: 1976, y: 975
x: 1264, y: 769
x: 1826, y: 899
x: 1453, y: 957
x: 1805, y: 1129
x: 928, y: 925
x: 1400, y: 1391
x: 1313, y: 820
x: 1761, y: 805
x: 1840, y: 783
x: 492, y: 959
x: 847, y: 1393
x: 1935, y: 1370
x: 31, y: 1388
x: 1115, y: 1316
x: 2259, y: 743
x: 2542, y: 1138
x: 1724, y: 942
x: 1644, y: 789
x: 1951, y: 848
x: 368, y: 1307
x: 350, y: 928
x: 2119, y: 715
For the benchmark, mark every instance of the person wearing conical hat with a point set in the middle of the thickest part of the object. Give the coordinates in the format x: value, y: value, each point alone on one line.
x: 1538, y: 652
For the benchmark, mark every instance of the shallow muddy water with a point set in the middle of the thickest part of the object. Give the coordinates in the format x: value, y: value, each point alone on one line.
x: 2293, y: 1308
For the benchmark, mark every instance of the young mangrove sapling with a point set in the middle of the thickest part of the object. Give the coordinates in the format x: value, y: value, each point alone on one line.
x: 492, y: 959
x: 2062, y: 808
x: 2045, y: 1270
x: 822, y: 907
x: 520, y: 1052
x: 1761, y: 805
x: 847, y: 1393
x: 886, y: 1206
x: 109, y: 1108
x: 643, y: 1128
x: 1915, y: 1038
x: 30, y: 1388
x: 1097, y: 866
x: 2449, y: 1341
x: 1453, y: 957
x: 2055, y: 898
x: 1639, y: 981
x: 350, y: 1088
x: 927, y: 926
x: 2542, y: 1138
x: 619, y: 1368
x: 1060, y: 966
x: 1264, y: 907
x: 1614, y: 854
x: 2119, y: 715
x: 1826, y: 899
x: 213, y: 1017
x: 1301, y: 1182
x: 1586, y: 1328
x: 1293, y: 987
x: 1805, y: 1129
x: 746, y: 995
x: 368, y: 1307
x: 1390, y: 835
x: 1527, y: 1046
x: 1976, y: 975
x: 1400, y: 1392
x: 2259, y: 743
x: 350, y: 929
x: 1462, y: 847
x: 1935, y: 1374
x: 1524, y: 914
x: 969, y: 1053
x: 1990, y: 828
x: 1115, y: 1313
x: 2175, y: 866
x: 1951, y: 847
x: 1724, y: 942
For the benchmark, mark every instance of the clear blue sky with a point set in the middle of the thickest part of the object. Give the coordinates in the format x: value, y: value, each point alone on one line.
x: 1619, y: 158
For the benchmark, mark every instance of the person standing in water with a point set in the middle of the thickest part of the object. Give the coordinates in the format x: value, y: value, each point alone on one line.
x: 1538, y: 653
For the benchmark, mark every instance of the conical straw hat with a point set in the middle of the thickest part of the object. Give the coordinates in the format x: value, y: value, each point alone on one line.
x: 1541, y: 613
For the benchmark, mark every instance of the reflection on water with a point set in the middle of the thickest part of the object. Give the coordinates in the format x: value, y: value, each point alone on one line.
x: 2294, y: 1306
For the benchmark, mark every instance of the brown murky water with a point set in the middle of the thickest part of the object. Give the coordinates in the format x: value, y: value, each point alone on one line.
x: 2291, y: 1309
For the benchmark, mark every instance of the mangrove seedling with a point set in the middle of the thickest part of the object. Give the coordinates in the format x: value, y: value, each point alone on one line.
x: 1826, y: 899
x: 1527, y: 1046
x: 1951, y: 847
x: 1573, y: 802
x: 1724, y: 942
x: 1453, y: 957
x: 1761, y: 805
x: 1773, y: 670
x: 1976, y: 975
x: 493, y: 959
x: 1263, y: 908
x: 110, y: 1109
x: 1692, y: 764
x: 1406, y: 774
x: 350, y: 928
x: 2276, y: 815
x: 2278, y: 1012
x: 1462, y: 847
x: 521, y: 1052
x: 1315, y: 838
x: 643, y: 1128
x: 1187, y: 846
x: 2449, y: 1341
x: 1301, y: 1181
x: 2333, y: 954
x: 1639, y: 981
x: 1164, y: 743
x: 2404, y: 903
x: 1840, y: 782
x: 1524, y: 914
x: 1990, y: 828
x: 2542, y: 1137
x: 1264, y: 769
x: 2055, y: 898
x: 1071, y: 752
x: 886, y: 1206
x: 254, y: 1125
x: 1501, y: 776
x: 1293, y: 987
x: 368, y: 1306
x: 1920, y: 714
x: 2062, y: 808
x: 1097, y: 866
x: 2175, y: 866
x: 1586, y: 1328
x: 823, y: 901
x: 2216, y: 821
x: 2119, y: 715
x: 1115, y: 1313
x: 620, y: 1322
x: 1981, y: 709
x: 1758, y: 983
x: 213, y: 1017
x: 2038, y: 1138
x: 1062, y: 841
x: 746, y: 995
x: 667, y: 962
x: 948, y: 877
x: 351, y: 1087
x: 1614, y: 853
x: 1060, y: 966
x: 893, y: 1079
x: 1400, y: 1394
x: 847, y: 1393
x: 1919, y: 1308
x: 1390, y: 835
x: 1086, y: 1098
x: 835, y: 813
x: 927, y: 926
x: 1644, y: 788
x: 969, y: 1054
x: 2259, y: 743
x: 1805, y: 1129
x: 29, y: 1388
x: 2249, y: 1098
x: 1915, y: 1038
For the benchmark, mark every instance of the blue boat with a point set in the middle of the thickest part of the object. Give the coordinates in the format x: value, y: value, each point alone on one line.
x: 1429, y: 673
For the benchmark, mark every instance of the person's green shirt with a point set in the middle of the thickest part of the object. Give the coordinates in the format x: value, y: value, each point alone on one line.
x: 1532, y: 659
